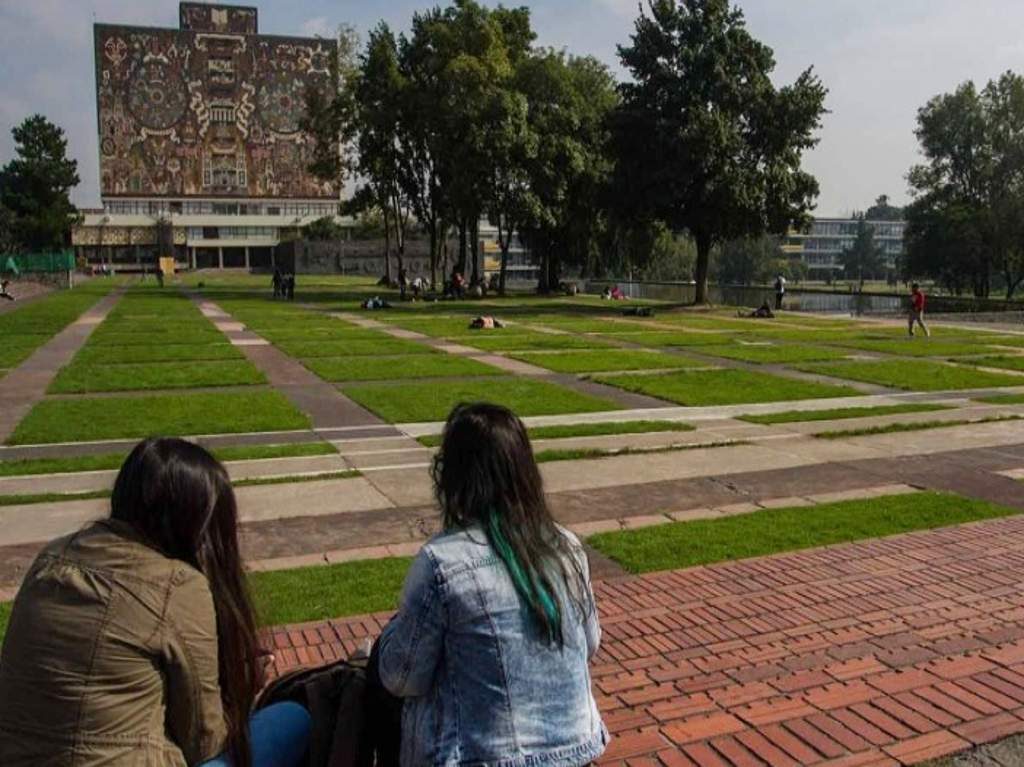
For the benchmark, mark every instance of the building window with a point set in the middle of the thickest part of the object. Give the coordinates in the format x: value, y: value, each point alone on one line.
x: 240, y: 168
x: 207, y: 171
x: 223, y: 114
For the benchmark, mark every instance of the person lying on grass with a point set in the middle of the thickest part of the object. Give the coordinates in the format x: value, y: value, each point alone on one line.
x: 133, y: 640
x: 485, y: 323
x: 497, y: 621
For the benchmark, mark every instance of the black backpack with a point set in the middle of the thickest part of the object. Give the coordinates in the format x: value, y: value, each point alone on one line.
x: 356, y: 723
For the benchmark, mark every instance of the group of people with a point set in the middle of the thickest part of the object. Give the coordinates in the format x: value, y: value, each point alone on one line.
x: 134, y: 641
x: 283, y: 284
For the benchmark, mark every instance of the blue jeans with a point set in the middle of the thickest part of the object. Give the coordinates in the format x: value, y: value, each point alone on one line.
x: 279, y: 735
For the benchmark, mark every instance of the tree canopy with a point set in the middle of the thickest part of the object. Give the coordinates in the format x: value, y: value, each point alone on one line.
x: 35, y: 187
x: 964, y: 227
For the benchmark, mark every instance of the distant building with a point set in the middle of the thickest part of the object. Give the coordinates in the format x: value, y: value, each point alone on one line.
x: 821, y: 249
x: 201, y: 153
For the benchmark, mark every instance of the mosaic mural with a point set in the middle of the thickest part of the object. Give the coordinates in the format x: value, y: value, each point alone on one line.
x: 206, y: 111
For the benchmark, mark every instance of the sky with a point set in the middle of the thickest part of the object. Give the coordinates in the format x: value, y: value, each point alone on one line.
x: 880, y: 59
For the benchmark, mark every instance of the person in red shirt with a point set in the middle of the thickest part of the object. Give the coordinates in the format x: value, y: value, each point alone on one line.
x: 917, y: 310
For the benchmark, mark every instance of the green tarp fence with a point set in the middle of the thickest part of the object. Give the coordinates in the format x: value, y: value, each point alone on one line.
x: 28, y: 263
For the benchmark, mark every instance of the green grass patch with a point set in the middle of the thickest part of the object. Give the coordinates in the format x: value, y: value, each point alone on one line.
x: 587, y: 430
x: 604, y: 360
x: 837, y: 414
x: 80, y: 378
x: 332, y: 591
x: 593, y: 453
x: 920, y: 347
x: 702, y: 542
x: 508, y: 340
x: 1007, y: 362
x: 896, y: 428
x: 396, y: 368
x: 918, y: 375
x: 409, y: 402
x: 292, y: 479
x: 662, y: 339
x: 5, y: 618
x: 723, y: 387
x: 86, y: 419
x: 143, y: 338
x: 355, y: 347
x: 113, y: 355
x: 773, y: 354
x: 110, y: 461
x: 32, y: 498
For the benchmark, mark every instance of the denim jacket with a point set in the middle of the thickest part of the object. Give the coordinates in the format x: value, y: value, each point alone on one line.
x: 482, y: 684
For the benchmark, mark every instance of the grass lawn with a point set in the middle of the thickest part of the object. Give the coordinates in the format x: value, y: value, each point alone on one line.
x: 915, y: 375
x: 79, y: 378
x: 508, y: 340
x: 795, y: 416
x: 603, y: 360
x: 593, y: 453
x: 723, y: 387
x: 110, y: 461
x: 894, y: 428
x: 920, y: 347
x: 5, y: 618
x: 317, y: 593
x: 661, y: 339
x: 354, y: 347
x: 701, y: 542
x: 183, y: 336
x: 773, y: 354
x: 395, y: 368
x: 106, y: 355
x: 85, y: 419
x: 586, y: 430
x: 594, y: 324
x: 1007, y: 362
x: 409, y: 402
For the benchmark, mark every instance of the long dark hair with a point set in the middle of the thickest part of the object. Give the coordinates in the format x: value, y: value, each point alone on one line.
x: 485, y: 474
x: 179, y: 499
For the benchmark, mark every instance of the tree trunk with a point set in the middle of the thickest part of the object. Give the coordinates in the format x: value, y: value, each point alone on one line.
x: 462, y: 246
x: 504, y: 257
x: 701, y: 271
x: 433, y: 255
x: 387, y: 245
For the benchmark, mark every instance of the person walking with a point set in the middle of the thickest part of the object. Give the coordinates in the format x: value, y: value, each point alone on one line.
x: 780, y: 291
x: 277, y: 282
x: 289, y: 286
x: 917, y: 302
x: 497, y: 621
x: 133, y: 640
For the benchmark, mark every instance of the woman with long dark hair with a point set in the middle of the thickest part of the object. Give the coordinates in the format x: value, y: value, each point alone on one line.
x: 497, y: 621
x: 133, y: 641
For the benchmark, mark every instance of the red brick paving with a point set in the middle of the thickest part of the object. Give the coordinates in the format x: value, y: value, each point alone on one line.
x: 887, y: 652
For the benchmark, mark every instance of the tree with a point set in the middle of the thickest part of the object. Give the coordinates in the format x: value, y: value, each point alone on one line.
x: 964, y: 225
x: 749, y: 260
x: 883, y: 211
x: 324, y: 229
x: 35, y: 186
x: 703, y: 138
x: 865, y: 259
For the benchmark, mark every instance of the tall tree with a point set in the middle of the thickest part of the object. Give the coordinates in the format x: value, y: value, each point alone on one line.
x: 749, y: 260
x: 35, y: 186
x: 970, y: 187
x: 883, y: 211
x: 704, y: 140
x: 865, y: 259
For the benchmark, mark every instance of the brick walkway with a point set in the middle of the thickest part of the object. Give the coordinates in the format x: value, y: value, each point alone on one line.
x: 886, y: 652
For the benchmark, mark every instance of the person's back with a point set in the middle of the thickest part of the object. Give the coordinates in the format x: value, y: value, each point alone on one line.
x: 101, y: 622
x: 491, y: 643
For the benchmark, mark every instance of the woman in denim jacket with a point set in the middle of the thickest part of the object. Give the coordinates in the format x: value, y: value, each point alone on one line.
x: 490, y: 646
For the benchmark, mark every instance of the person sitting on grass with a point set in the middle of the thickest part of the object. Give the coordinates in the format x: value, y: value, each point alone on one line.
x: 763, y: 312
x: 917, y: 301
x: 497, y: 620
x: 133, y: 640
x: 4, y: 293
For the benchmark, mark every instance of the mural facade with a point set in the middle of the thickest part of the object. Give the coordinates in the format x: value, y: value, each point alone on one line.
x: 208, y: 110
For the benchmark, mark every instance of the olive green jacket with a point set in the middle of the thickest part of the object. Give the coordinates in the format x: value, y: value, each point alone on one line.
x: 110, y: 658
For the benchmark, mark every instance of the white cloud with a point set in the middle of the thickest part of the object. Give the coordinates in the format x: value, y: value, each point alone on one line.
x: 317, y: 27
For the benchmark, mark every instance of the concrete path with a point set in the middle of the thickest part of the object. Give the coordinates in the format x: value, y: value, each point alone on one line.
x: 327, y: 407
x: 26, y: 384
x: 873, y: 654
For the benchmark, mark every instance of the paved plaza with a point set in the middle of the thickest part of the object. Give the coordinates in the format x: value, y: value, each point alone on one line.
x: 885, y: 651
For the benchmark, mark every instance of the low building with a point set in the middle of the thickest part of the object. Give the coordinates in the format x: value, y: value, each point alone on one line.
x: 822, y: 248
x: 202, y: 156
